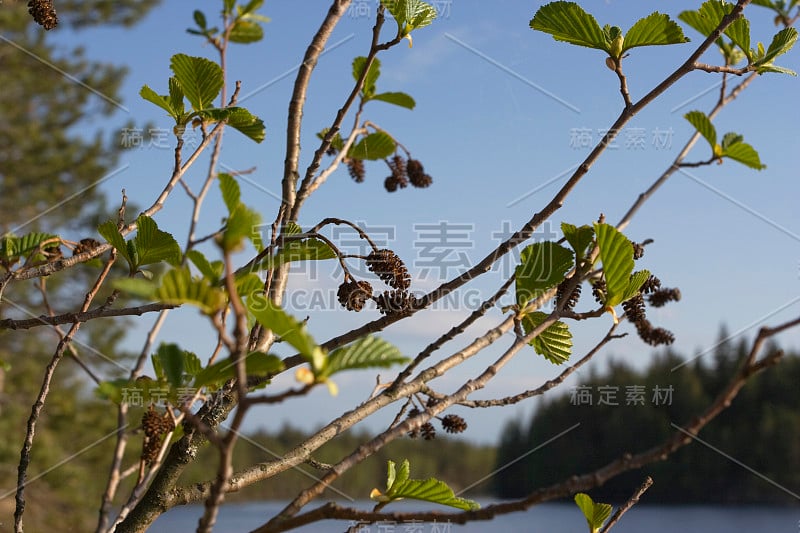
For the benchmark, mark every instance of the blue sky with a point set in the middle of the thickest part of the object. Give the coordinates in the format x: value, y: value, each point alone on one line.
x: 499, y: 108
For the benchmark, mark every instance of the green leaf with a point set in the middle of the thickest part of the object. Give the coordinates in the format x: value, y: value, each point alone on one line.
x: 289, y: 329
x: 251, y: 6
x: 176, y: 97
x: 191, y: 363
x: 410, y: 14
x: 306, y: 250
x: 238, y: 118
x: 227, y: 6
x: 635, y: 284
x: 172, y: 360
x: 554, y: 343
x: 596, y: 513
x: 542, y: 266
x: 111, y: 233
x: 568, y: 22
x: 179, y: 287
x: 153, y: 245
x: 240, y: 225
x: 368, y: 352
x: 210, y: 270
x: 739, y: 33
x: 374, y: 146
x: 655, y: 29
x: 256, y: 364
x: 579, y: 238
x: 372, y: 75
x: 744, y: 154
x: 231, y: 193
x: 778, y: 70
x: 781, y: 43
x: 199, y: 19
x: 703, y: 125
x: 163, y: 102
x: 396, y: 98
x: 246, y: 31
x: 729, y: 139
x: 430, y: 490
x: 26, y: 245
x: 616, y: 253
x: 706, y: 19
x: 249, y: 284
x: 142, y: 288
x: 200, y: 79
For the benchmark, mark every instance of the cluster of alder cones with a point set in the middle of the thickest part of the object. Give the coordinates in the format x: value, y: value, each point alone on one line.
x: 450, y: 423
x: 403, y: 172
x: 155, y: 426
x: 44, y: 13
x: 385, y: 264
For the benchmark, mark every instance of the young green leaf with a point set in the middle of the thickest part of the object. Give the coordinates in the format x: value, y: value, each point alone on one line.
x: 367, y: 352
x: 111, y: 233
x: 163, y: 102
x: 153, y: 245
x: 543, y: 266
x: 26, y: 245
x: 246, y: 31
x: 396, y: 98
x: 568, y: 22
x: 210, y: 270
x: 739, y: 33
x: 249, y: 285
x: 143, y: 288
x: 554, y: 343
x: 336, y: 143
x: 781, y: 43
x: 241, y: 225
x: 172, y: 360
x: 176, y: 98
x: 199, y: 19
x: 306, y: 250
x: 256, y: 364
x: 596, y: 513
x: 231, y: 194
x: 374, y: 146
x: 430, y: 490
x: 636, y: 281
x: 579, y: 238
x: 706, y: 19
x: 703, y: 125
x: 178, y: 287
x: 744, y: 154
x: 238, y: 118
x: 368, y: 90
x: 410, y: 14
x: 289, y: 329
x: 251, y: 6
x: 200, y: 79
x: 655, y: 29
x: 616, y: 253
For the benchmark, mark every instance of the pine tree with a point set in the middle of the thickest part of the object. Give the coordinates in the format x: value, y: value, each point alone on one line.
x: 48, y: 153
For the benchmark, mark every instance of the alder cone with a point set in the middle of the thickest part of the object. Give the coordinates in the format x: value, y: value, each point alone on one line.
x: 353, y: 295
x: 43, y: 13
x: 355, y: 167
x: 393, y: 302
x: 389, y: 268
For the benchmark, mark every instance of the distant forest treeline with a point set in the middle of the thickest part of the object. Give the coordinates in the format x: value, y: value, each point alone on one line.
x: 761, y: 429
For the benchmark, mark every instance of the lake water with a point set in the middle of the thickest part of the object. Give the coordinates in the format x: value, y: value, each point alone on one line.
x: 547, y: 518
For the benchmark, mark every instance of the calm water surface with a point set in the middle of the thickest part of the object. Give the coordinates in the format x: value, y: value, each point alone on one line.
x: 549, y: 518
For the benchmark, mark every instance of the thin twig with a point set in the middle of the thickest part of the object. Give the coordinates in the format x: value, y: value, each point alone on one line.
x: 633, y: 500
x: 36, y: 409
x: 85, y: 316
